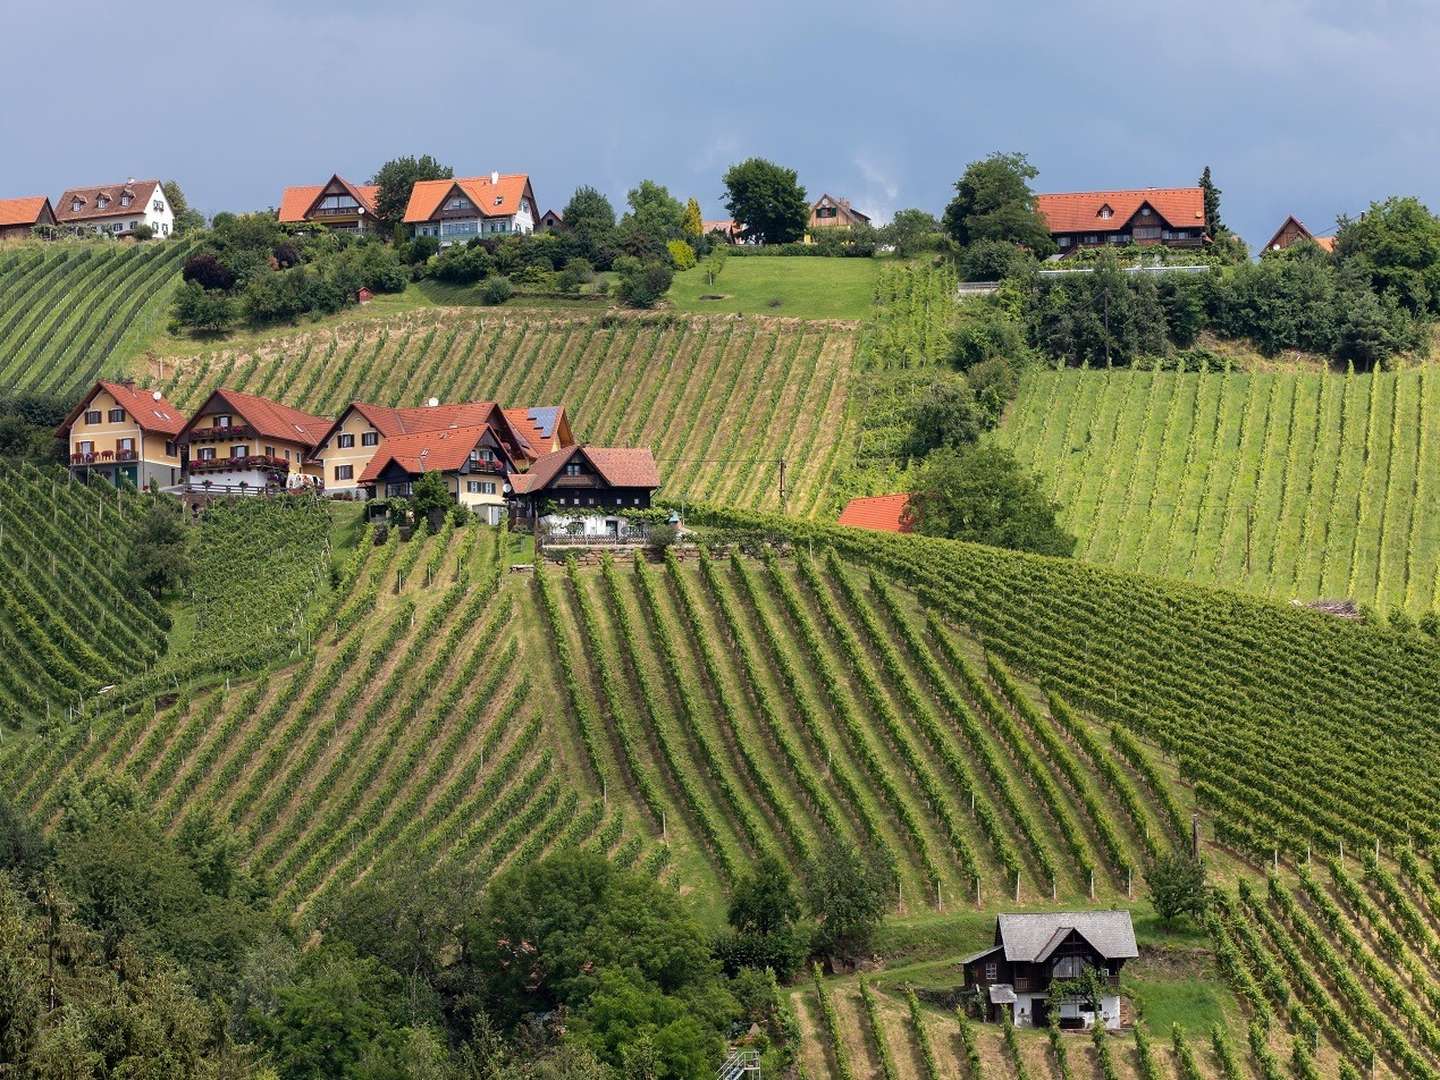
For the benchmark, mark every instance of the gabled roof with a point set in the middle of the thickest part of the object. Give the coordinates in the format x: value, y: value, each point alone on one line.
x: 843, y: 205
x: 500, y: 199
x: 879, y: 512
x: 297, y: 202
x: 1079, y: 211
x: 148, y: 408
x: 618, y: 466
x: 979, y: 955
x: 139, y: 190
x: 555, y: 215
x: 1325, y: 243
x: 442, y: 450
x: 1033, y: 936
x: 26, y: 211
x: 391, y: 421
x: 536, y: 427
x: 270, y: 419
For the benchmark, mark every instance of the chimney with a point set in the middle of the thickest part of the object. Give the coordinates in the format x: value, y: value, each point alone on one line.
x: 131, y: 180
x: 494, y: 177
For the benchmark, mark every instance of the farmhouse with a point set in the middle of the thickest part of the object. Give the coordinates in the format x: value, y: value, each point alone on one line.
x: 828, y: 212
x: 1033, y: 951
x: 19, y: 216
x: 882, y: 513
x: 472, y: 459
x: 583, y: 488
x: 1173, y: 217
x: 336, y: 204
x: 1292, y: 230
x: 117, y: 209
x: 458, y: 210
x: 242, y: 441
x: 122, y: 432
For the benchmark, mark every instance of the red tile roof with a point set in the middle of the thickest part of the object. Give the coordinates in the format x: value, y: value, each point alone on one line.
x: 148, y: 408
x: 390, y: 421
x: 538, y: 427
x: 26, y: 211
x: 295, y: 202
x: 427, y: 196
x: 140, y: 190
x: 426, y: 451
x: 878, y: 512
x: 1079, y: 211
x: 1326, y: 243
x: 270, y: 419
x: 618, y: 466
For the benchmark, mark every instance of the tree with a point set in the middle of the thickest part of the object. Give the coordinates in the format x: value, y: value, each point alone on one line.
x: 848, y: 891
x: 715, y: 263
x: 767, y: 200
x: 431, y: 492
x: 590, y: 226
x: 983, y: 495
x: 160, y: 560
x: 682, y: 255
x: 186, y: 219
x: 763, y: 914
x: 205, y: 310
x: 1395, y: 246
x: 946, y: 414
x: 693, y: 225
x: 395, y: 179
x: 911, y: 231
x: 993, y: 201
x: 1088, y: 989
x: 1213, y: 225
x: 654, y: 219
x: 642, y: 285
x: 1177, y: 886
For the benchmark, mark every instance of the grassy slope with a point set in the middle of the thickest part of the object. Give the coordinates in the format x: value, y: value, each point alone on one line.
x: 806, y: 288
x: 1168, y: 473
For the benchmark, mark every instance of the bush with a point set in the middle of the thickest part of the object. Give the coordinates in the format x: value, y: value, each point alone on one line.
x: 143, y: 231
x: 462, y: 265
x: 497, y: 290
x: 643, y: 287
x: 421, y: 248
x: 205, y: 269
x: 198, y: 308
x: 994, y: 260
x: 577, y: 272
x: 681, y: 254
x: 661, y: 537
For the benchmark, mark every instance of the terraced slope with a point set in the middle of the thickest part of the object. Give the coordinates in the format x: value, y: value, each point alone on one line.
x: 70, y: 312
x: 1290, y: 485
x: 720, y: 401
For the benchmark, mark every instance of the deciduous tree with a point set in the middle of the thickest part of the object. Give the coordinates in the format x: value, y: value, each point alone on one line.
x: 397, y: 176
x: 767, y: 200
x: 993, y: 201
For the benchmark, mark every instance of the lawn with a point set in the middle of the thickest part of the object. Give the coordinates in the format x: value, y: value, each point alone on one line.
x: 795, y: 286
x: 1195, y: 1004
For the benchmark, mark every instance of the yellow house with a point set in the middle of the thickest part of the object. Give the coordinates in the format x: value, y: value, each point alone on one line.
x: 473, y: 459
x: 243, y: 442
x: 124, y: 432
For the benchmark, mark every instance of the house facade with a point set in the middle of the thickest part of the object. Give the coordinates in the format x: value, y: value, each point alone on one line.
x: 336, y: 204
x: 1172, y: 217
x: 124, y: 432
x: 828, y: 212
x: 472, y: 459
x: 581, y: 489
x: 1292, y: 230
x: 117, y: 209
x: 245, y: 443
x: 1035, y: 950
x: 456, y: 211
x: 19, y: 216
x: 550, y: 221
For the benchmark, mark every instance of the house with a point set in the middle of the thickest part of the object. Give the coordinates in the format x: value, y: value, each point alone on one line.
x: 727, y: 228
x: 581, y: 489
x: 1292, y: 231
x: 336, y: 204
x: 883, y: 513
x: 124, y: 432
x: 117, y: 209
x: 458, y: 210
x: 828, y: 212
x: 550, y: 221
x: 1174, y: 217
x: 362, y: 430
x: 1034, y: 950
x: 472, y: 458
x: 19, y: 216
x: 242, y: 442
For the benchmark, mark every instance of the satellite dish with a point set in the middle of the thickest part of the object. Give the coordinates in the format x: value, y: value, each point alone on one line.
x: 156, y: 395
x: 433, y: 402
x: 506, y: 488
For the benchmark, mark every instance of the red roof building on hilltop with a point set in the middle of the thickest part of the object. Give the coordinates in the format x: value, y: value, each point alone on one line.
x: 336, y: 204
x: 1174, y: 217
x: 882, y: 513
x: 124, y: 432
x: 19, y: 216
x: 454, y: 211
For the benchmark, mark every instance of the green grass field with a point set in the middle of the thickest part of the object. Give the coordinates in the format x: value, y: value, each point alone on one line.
x: 1291, y: 485
x: 806, y: 288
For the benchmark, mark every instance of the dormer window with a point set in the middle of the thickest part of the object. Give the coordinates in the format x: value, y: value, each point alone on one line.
x: 1144, y: 211
x: 222, y: 421
x: 102, y: 202
x: 75, y: 205
x: 1106, y: 213
x: 499, y: 199
x: 572, y: 468
x: 125, y: 200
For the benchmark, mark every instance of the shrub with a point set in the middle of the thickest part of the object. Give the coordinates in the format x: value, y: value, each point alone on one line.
x: 661, y: 537
x: 497, y: 290
x: 143, y: 231
x: 205, y: 269
x: 198, y: 308
x: 643, y: 287
x: 681, y: 254
x: 421, y: 248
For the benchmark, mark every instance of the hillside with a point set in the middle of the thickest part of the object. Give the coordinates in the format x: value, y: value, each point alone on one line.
x: 71, y: 312
x: 720, y: 400
x: 1287, y: 484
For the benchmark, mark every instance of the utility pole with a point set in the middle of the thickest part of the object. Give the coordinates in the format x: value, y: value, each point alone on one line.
x: 1249, y: 529
x: 782, y: 485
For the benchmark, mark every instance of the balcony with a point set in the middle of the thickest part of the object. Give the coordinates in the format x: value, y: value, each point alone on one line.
x: 104, y: 457
x: 248, y: 463
x: 221, y: 434
x: 480, y: 465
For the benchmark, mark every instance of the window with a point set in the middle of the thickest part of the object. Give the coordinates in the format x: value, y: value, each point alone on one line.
x: 402, y: 488
x: 85, y: 447
x: 344, y: 472
x: 207, y: 453
x: 487, y: 487
x: 75, y: 205
x: 572, y: 468
x: 116, y: 416
x: 126, y: 200
x: 125, y: 444
x: 222, y: 421
x: 635, y: 501
x: 1144, y: 211
x: 1065, y: 241
x: 239, y: 451
x: 92, y: 416
x: 165, y: 227
x: 590, y: 500
x: 1067, y: 967
x: 345, y: 442
x: 102, y: 202
x: 169, y: 449
x: 370, y: 438
x: 1106, y: 213
x: 158, y: 206
x: 1147, y: 232
x: 992, y: 972
x: 457, y: 203
x: 472, y: 487
x: 287, y: 455
x: 270, y: 452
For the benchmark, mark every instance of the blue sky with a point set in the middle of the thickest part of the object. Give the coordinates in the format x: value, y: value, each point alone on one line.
x: 1315, y: 108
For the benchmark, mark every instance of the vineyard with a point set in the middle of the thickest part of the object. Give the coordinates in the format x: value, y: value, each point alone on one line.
x: 72, y: 312
x: 1283, y: 484
x: 720, y: 401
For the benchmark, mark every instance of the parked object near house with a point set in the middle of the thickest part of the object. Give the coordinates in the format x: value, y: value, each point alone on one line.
x: 1174, y: 217
x: 550, y: 221
x: 1033, y: 951
x: 336, y: 204
x: 882, y: 513
x: 828, y: 212
x: 243, y: 442
x: 454, y: 211
x: 19, y: 216
x: 1292, y: 230
x: 117, y: 209
x: 579, y: 484
x: 124, y: 432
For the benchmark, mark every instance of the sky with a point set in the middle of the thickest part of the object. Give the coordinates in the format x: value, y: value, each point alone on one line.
x: 1312, y: 108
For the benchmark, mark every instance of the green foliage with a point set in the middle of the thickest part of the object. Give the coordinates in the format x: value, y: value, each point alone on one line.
x: 1394, y: 247
x: 946, y: 415
x: 642, y: 285
x: 186, y: 219
x: 993, y: 201
x: 497, y: 290
x: 763, y: 917
x: 1178, y: 887
x: 1101, y: 318
x: 910, y: 324
x: 912, y: 231
x: 395, y: 179
x: 160, y: 558
x: 590, y: 226
x: 848, y: 891
x: 995, y: 260
x: 982, y: 494
x: 205, y: 310
x: 1213, y: 225
x: 682, y: 255
x: 654, y: 219
x: 767, y: 200
x: 693, y: 224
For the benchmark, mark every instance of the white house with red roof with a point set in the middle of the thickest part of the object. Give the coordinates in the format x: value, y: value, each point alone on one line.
x: 124, y: 432
x: 458, y: 210
x: 336, y: 204
x: 117, y: 209
x: 1174, y: 217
